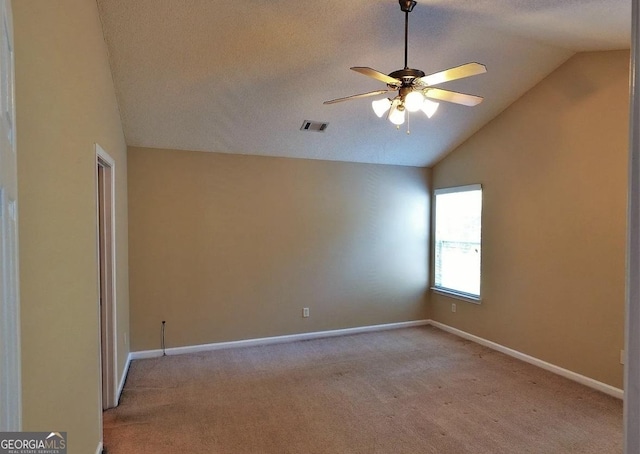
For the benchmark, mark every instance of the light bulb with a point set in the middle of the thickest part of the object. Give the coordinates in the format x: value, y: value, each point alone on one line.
x: 396, y: 115
x: 413, y: 101
x: 429, y: 107
x: 380, y: 106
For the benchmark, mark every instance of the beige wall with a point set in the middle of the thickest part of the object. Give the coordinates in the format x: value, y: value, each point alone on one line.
x: 65, y: 103
x: 228, y: 247
x: 554, y: 172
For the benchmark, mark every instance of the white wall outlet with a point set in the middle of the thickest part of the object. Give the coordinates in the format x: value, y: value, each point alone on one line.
x: 621, y: 356
x: 305, y: 312
x: 453, y: 307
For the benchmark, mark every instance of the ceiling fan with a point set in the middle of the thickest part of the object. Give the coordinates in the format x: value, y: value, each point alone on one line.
x: 415, y: 89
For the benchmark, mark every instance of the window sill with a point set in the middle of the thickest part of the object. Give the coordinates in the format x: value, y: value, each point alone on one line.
x: 457, y: 295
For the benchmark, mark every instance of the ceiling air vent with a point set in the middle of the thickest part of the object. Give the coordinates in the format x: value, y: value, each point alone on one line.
x: 317, y: 126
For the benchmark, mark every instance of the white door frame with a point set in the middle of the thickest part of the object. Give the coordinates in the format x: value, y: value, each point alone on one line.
x: 10, y: 363
x: 105, y: 168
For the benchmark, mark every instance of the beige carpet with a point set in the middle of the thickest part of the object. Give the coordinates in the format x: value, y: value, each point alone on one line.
x: 416, y: 390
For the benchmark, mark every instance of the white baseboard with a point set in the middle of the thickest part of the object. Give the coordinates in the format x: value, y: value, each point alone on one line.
x: 590, y: 382
x: 274, y: 340
x: 123, y: 378
x: 99, y: 448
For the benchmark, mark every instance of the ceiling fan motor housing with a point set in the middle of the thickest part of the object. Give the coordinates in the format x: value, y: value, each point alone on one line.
x: 406, y: 75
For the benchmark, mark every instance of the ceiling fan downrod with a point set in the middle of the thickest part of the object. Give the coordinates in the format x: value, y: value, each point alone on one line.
x: 407, y: 7
x: 406, y: 75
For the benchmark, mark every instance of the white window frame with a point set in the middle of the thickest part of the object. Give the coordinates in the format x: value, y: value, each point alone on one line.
x: 458, y: 294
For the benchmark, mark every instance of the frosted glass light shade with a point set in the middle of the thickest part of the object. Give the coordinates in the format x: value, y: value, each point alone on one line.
x: 380, y: 106
x: 429, y: 107
x: 413, y: 101
x: 396, y: 115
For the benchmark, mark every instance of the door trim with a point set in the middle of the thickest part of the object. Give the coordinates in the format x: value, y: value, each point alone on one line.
x: 109, y: 390
x: 10, y: 337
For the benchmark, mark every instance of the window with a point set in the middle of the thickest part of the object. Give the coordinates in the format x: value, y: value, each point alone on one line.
x: 457, y: 247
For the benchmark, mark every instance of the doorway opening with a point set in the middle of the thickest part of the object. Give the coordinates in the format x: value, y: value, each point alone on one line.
x: 106, y: 260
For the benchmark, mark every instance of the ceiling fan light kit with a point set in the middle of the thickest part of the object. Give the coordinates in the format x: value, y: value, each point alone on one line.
x: 413, y: 101
x: 429, y: 107
x: 397, y: 112
x: 414, y: 88
x: 380, y: 106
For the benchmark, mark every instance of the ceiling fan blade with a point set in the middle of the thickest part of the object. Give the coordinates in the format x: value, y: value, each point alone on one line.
x: 459, y: 72
x: 377, y: 75
x: 453, y: 96
x: 361, y: 95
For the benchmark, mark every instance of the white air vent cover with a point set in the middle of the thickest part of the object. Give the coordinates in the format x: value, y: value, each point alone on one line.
x: 317, y: 126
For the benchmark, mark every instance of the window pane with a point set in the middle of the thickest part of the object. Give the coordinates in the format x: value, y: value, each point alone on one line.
x: 457, y: 240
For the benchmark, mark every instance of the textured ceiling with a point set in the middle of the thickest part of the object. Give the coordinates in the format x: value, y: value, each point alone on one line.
x: 240, y: 77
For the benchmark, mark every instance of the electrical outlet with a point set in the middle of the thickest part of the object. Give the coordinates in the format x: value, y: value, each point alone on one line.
x: 621, y: 356
x: 305, y: 312
x: 453, y: 307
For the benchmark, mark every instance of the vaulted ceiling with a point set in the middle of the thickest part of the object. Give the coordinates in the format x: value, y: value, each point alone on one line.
x: 241, y: 76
